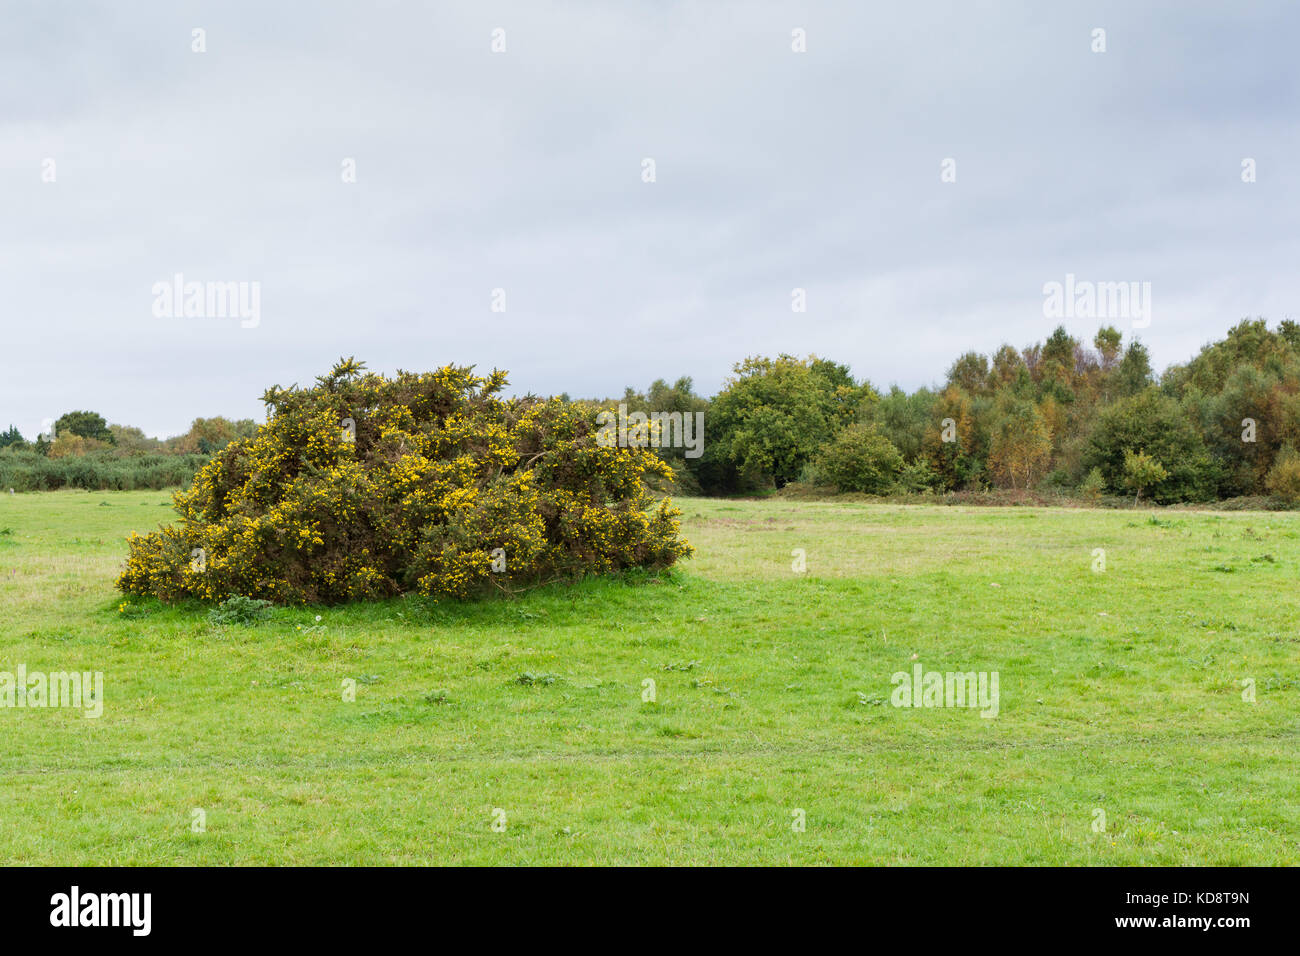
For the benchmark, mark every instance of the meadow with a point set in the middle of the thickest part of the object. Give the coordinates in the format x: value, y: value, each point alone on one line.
x: 515, y: 730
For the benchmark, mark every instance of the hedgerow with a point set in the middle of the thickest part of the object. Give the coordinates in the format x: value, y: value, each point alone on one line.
x: 365, y: 487
x: 31, y: 471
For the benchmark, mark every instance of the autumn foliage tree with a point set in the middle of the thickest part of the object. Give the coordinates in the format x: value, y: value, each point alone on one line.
x: 1021, y: 446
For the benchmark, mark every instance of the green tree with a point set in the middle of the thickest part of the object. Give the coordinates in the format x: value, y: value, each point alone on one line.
x: 677, y: 398
x: 970, y: 373
x: 953, y: 441
x: 903, y: 418
x: 1247, y: 395
x: 1007, y: 367
x: 773, y: 417
x: 917, y: 477
x: 1059, y: 350
x: 1093, y: 485
x: 85, y: 424
x: 1290, y: 333
x: 1154, y: 422
x: 131, y: 441
x: 1134, y: 371
x: 1141, y: 471
x: 1248, y: 343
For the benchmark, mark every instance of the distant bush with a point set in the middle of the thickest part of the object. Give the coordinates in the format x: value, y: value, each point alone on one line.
x: 1093, y: 485
x: 861, y: 459
x: 31, y: 471
x: 917, y: 478
x: 1284, y: 477
x: 1154, y: 424
x: 1243, y: 503
x: 207, y: 436
x: 70, y: 444
x: 365, y: 487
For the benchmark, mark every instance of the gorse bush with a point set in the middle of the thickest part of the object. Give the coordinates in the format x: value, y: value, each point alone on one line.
x: 366, y: 487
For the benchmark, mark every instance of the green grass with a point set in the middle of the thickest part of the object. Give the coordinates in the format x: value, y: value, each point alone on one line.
x: 1120, y: 691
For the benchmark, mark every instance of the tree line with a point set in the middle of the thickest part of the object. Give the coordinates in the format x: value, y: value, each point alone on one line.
x: 1062, y: 415
x: 1085, y: 419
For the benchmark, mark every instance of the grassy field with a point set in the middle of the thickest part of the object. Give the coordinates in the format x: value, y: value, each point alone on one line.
x: 1121, y: 691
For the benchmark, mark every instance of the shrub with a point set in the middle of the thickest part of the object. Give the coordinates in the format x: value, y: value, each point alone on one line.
x: 1284, y: 477
x: 1093, y: 485
x: 861, y: 459
x: 70, y: 444
x: 917, y: 478
x: 366, y: 487
x: 239, y: 610
x: 811, y: 475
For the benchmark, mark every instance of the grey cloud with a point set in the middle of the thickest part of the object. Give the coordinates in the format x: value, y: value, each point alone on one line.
x: 522, y: 171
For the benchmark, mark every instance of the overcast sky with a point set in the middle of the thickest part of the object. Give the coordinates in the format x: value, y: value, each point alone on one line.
x: 522, y: 170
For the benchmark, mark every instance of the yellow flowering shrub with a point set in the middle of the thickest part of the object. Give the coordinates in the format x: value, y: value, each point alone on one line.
x: 365, y: 486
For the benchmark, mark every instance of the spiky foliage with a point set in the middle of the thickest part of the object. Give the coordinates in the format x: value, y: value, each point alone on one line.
x: 366, y: 486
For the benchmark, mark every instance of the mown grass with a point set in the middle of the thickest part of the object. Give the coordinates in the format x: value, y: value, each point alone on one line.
x: 1121, y: 691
